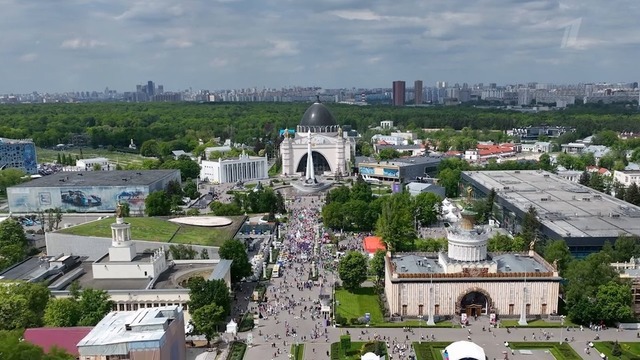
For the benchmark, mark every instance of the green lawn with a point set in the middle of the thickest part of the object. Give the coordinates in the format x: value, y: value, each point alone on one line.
x: 630, y: 351
x: 354, y: 352
x: 297, y: 351
x: 155, y: 229
x: 433, y: 350
x: 355, y: 305
x: 122, y: 158
x: 429, y: 350
x: 536, y: 323
x: 560, y: 352
x: 365, y: 300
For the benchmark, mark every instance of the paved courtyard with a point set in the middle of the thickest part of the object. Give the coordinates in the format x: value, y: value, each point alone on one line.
x: 291, y: 313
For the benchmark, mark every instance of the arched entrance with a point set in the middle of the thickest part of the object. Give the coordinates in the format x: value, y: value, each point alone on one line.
x: 475, y: 302
x: 320, y: 164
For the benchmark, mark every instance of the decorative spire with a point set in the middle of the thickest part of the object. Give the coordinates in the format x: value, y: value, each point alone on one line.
x: 310, y: 175
x: 318, y: 98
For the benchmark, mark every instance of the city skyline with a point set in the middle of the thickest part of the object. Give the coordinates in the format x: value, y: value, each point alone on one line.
x: 78, y: 45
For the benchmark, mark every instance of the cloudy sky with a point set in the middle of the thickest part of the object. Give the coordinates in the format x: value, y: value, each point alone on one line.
x: 75, y: 45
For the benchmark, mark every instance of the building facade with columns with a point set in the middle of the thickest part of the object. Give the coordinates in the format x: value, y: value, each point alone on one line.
x: 331, y: 150
x: 468, y: 281
x: 243, y: 168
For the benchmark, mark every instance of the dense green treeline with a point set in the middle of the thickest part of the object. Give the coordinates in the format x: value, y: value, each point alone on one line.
x: 115, y: 124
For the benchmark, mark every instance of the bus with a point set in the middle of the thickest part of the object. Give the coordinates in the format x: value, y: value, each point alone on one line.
x: 276, y: 271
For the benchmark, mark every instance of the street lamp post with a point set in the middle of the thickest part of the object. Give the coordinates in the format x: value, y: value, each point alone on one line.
x: 561, y: 328
x: 420, y: 317
x: 430, y: 321
x: 523, y: 310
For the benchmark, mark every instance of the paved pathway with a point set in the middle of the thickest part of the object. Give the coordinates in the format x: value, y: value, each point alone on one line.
x: 285, y: 320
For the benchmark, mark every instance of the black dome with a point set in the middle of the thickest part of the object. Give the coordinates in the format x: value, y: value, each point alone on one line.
x: 318, y: 115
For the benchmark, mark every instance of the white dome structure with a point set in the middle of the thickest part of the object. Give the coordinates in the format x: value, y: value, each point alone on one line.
x: 370, y: 356
x: 468, y: 242
x: 464, y: 350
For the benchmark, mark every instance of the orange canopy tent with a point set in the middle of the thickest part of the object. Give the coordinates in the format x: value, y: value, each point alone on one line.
x: 373, y: 244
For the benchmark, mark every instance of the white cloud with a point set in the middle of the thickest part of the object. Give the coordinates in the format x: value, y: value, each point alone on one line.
x: 366, y: 15
x: 218, y: 62
x: 281, y: 48
x: 344, y: 42
x: 178, y: 43
x: 28, y: 57
x: 78, y: 43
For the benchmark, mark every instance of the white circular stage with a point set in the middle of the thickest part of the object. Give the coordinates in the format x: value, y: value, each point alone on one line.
x: 206, y: 221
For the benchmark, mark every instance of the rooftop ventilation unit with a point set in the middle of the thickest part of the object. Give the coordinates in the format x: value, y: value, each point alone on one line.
x: 537, y: 269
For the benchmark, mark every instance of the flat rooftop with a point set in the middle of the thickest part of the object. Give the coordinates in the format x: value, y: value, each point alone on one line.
x: 167, y: 280
x: 23, y: 270
x: 119, y: 327
x: 172, y: 278
x: 139, y: 258
x: 569, y: 209
x: 507, y: 262
x: 414, y: 160
x: 99, y: 178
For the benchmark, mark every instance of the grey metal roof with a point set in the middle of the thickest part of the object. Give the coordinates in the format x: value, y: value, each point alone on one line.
x: 99, y: 178
x: 221, y: 269
x: 318, y: 115
x: 507, y: 262
x: 570, y: 210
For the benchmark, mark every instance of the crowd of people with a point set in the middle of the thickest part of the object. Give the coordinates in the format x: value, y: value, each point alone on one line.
x: 292, y: 299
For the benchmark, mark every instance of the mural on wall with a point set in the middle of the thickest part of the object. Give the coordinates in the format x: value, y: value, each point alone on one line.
x: 44, y: 198
x: 366, y: 170
x: 134, y: 198
x: 78, y: 198
x: 390, y: 172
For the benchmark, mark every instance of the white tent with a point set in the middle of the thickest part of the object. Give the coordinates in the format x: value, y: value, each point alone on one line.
x: 232, y: 327
x: 465, y: 350
x: 370, y: 356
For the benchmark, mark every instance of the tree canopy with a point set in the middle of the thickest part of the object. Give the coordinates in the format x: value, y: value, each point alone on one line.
x: 235, y: 250
x: 22, y: 304
x: 352, y: 270
x: 395, y: 224
x: 204, y: 292
x: 158, y: 203
x: 376, y: 264
x: 13, y: 243
x: 585, y: 279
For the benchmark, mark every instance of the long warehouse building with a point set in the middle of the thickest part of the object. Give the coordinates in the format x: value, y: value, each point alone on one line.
x: 583, y: 217
x: 89, y: 191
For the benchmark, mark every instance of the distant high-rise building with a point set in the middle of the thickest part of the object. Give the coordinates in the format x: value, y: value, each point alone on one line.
x: 417, y: 91
x: 398, y: 93
x: 160, y: 89
x: 151, y: 88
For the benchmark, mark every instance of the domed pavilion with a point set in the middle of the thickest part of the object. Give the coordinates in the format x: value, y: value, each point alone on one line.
x: 330, y: 150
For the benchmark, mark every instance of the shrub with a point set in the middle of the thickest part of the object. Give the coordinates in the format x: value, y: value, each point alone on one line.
x: 246, y: 324
x: 237, y: 351
x: 335, y: 351
x: 615, y: 350
x: 345, y: 343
